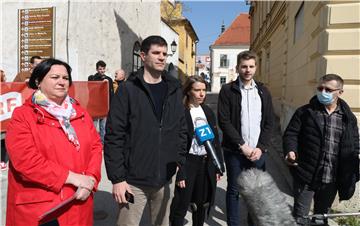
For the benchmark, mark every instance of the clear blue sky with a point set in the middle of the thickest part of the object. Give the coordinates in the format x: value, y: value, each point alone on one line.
x: 207, y: 16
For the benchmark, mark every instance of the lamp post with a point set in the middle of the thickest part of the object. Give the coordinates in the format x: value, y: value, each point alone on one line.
x: 173, y: 47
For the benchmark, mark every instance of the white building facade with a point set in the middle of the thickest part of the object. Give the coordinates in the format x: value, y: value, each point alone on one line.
x: 223, y: 65
x: 85, y: 32
x: 170, y: 35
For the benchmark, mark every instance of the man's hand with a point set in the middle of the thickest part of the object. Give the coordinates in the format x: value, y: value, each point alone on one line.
x: 181, y: 184
x: 246, y: 150
x: 256, y: 154
x: 119, y: 190
x: 290, y: 158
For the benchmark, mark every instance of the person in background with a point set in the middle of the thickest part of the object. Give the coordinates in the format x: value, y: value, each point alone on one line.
x: 55, y: 153
x: 196, y: 180
x: 246, y: 117
x: 119, y: 78
x: 3, y: 76
x: 321, y: 145
x: 24, y: 76
x: 3, y: 164
x: 145, y: 138
x: 101, y: 76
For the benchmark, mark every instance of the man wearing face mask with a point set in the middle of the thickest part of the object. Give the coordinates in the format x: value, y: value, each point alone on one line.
x: 321, y: 144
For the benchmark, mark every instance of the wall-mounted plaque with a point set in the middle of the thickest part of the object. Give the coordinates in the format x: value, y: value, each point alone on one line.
x: 36, y: 35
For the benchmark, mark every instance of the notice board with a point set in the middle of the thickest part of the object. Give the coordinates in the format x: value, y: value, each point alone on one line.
x: 36, y: 35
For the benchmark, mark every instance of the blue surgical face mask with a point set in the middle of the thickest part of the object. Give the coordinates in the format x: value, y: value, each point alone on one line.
x: 324, y: 97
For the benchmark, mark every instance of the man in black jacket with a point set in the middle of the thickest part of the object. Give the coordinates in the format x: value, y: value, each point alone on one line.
x: 245, y: 115
x: 321, y: 143
x: 101, y: 76
x: 145, y: 138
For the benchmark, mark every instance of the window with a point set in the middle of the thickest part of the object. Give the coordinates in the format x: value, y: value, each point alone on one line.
x: 267, y: 67
x: 222, y: 80
x: 137, y: 63
x: 299, y: 23
x: 224, y: 62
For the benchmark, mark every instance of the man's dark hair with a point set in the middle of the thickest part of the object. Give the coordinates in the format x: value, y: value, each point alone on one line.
x: 100, y: 63
x: 43, y: 68
x: 152, y: 40
x: 32, y: 59
x: 330, y: 77
x: 246, y: 55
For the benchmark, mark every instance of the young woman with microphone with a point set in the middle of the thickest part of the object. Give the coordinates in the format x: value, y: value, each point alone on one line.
x: 196, y: 180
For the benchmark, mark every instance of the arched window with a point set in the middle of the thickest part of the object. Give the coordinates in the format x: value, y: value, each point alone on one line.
x: 137, y: 63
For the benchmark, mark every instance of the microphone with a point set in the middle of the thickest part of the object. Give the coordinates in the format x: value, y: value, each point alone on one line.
x: 204, y: 136
x: 265, y: 202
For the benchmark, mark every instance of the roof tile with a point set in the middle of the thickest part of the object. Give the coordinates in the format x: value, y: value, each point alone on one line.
x: 237, y: 34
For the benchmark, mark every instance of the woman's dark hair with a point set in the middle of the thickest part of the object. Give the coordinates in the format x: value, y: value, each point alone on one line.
x: 43, y: 68
x: 188, y: 86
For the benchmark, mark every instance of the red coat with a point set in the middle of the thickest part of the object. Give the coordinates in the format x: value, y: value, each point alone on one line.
x: 40, y: 159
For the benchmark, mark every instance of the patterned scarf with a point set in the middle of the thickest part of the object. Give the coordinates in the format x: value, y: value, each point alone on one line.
x: 63, y: 113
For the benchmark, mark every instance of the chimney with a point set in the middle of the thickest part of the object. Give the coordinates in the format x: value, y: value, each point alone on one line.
x: 222, y: 27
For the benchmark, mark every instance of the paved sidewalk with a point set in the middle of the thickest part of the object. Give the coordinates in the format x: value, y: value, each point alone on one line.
x: 106, y: 208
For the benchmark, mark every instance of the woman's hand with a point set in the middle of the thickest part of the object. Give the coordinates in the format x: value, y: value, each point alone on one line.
x: 80, y: 180
x: 82, y: 194
x: 181, y: 184
x: 218, y: 177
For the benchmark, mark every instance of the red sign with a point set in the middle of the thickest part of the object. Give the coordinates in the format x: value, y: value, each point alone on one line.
x: 93, y: 96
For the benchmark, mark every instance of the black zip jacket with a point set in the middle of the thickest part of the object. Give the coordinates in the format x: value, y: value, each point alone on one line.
x: 140, y: 149
x: 305, y: 137
x: 210, y: 116
x: 229, y: 111
x: 211, y: 169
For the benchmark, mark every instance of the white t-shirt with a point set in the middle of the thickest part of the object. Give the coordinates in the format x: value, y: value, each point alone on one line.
x: 197, y: 112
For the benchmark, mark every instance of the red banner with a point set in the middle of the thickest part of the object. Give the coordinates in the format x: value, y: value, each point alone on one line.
x: 93, y: 96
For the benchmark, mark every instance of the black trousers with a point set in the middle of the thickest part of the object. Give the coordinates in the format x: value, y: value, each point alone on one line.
x: 3, y: 151
x: 196, y: 190
x: 323, y: 198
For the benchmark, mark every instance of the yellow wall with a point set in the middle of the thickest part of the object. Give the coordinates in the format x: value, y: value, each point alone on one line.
x: 329, y: 44
x: 172, y: 14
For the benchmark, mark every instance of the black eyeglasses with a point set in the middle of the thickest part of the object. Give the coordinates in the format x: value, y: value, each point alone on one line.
x: 328, y: 90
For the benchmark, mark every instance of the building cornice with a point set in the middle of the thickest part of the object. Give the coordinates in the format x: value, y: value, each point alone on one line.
x: 266, y: 30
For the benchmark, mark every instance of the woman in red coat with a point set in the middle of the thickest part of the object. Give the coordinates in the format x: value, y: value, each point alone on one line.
x: 55, y: 153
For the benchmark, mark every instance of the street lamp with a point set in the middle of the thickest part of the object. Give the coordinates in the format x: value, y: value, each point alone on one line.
x: 173, y: 47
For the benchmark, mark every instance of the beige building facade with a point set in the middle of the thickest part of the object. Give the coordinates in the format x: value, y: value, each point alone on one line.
x: 298, y: 42
x: 171, y: 13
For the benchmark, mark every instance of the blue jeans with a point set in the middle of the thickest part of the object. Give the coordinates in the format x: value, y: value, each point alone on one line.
x: 100, y: 126
x: 235, y: 164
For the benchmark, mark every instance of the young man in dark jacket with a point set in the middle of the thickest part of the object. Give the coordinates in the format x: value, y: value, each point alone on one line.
x: 321, y: 143
x: 101, y: 76
x: 245, y: 115
x: 145, y: 138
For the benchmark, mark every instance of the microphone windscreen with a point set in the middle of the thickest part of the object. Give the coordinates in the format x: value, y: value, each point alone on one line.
x: 265, y: 202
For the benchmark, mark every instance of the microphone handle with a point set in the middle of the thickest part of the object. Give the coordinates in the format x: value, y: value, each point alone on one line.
x: 210, y: 150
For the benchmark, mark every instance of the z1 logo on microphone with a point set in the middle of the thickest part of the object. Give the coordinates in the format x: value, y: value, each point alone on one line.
x: 204, y: 133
